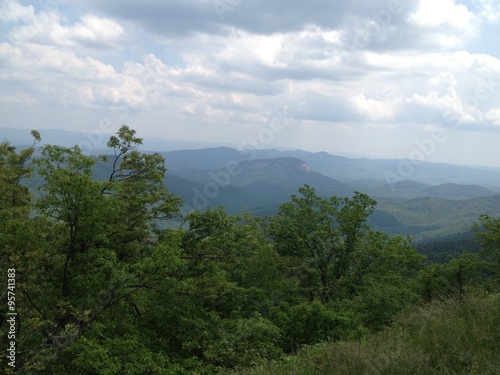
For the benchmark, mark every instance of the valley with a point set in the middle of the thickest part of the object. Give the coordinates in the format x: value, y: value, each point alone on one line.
x: 438, y: 202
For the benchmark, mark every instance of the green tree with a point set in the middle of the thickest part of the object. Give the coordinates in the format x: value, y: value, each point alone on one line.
x: 311, y: 322
x: 14, y: 168
x: 15, y: 200
x: 360, y: 273
x: 18, y: 232
x: 451, y: 279
x: 323, y: 234
x: 100, y: 258
x: 488, y: 234
x: 379, y: 284
x: 216, y: 313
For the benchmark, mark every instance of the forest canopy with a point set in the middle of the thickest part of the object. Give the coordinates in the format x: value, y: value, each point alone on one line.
x: 112, y: 278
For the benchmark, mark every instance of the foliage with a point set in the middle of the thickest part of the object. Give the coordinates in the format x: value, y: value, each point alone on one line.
x: 322, y: 233
x: 111, y: 279
x: 488, y: 233
x: 445, y: 337
x: 94, y: 259
x: 312, y: 322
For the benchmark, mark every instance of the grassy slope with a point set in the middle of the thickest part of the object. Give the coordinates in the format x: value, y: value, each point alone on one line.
x: 451, y: 337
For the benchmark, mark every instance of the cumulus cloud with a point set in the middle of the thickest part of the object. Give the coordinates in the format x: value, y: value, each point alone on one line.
x: 493, y: 115
x: 12, y: 11
x: 47, y: 28
x: 373, y: 110
x: 348, y: 65
x: 489, y: 10
x: 444, y: 22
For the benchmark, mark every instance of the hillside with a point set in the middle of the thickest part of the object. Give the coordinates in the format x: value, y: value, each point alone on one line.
x: 250, y: 185
x: 413, y: 208
x: 340, y: 168
x: 455, y: 191
x: 436, y: 200
x: 359, y: 172
x: 432, y: 217
x: 408, y: 189
x: 114, y: 276
x: 440, y: 338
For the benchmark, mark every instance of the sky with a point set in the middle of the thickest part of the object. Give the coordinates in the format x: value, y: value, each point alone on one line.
x: 416, y: 79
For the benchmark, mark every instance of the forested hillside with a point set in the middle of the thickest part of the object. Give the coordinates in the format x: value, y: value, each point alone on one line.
x: 104, y: 272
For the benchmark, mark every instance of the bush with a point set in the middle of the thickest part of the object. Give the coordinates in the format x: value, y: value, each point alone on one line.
x: 310, y: 323
x: 444, y: 337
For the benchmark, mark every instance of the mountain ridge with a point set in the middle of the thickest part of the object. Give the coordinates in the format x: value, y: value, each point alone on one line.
x: 434, y: 200
x: 341, y: 168
x: 386, y: 171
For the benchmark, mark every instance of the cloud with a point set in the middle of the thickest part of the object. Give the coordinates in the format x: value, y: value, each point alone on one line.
x: 350, y: 66
x: 489, y: 10
x: 175, y: 17
x: 309, y: 68
x: 46, y: 28
x: 493, y: 116
x: 12, y: 11
x: 96, y: 31
x: 371, y: 109
x: 19, y: 98
x: 442, y: 14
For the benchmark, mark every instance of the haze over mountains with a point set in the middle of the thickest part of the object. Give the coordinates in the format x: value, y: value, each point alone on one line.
x: 438, y: 200
x: 421, y: 199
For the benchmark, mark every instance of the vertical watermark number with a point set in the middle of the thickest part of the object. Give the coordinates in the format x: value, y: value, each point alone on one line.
x: 11, y: 318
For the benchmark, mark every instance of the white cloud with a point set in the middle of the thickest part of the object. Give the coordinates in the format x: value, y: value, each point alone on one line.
x: 436, y: 13
x: 224, y: 74
x: 50, y: 28
x: 96, y: 30
x: 12, y: 11
x: 19, y: 98
x: 489, y: 10
x: 493, y: 116
x: 373, y: 110
x: 447, y: 24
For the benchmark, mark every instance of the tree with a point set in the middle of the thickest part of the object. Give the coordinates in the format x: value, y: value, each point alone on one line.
x: 18, y: 232
x: 311, y: 322
x: 323, y: 234
x: 488, y: 234
x: 15, y: 199
x: 379, y: 285
x: 215, y: 312
x: 102, y: 255
x: 13, y: 167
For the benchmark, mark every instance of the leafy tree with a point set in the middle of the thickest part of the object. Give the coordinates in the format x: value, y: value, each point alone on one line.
x: 379, y: 284
x: 341, y: 262
x: 100, y: 257
x: 215, y: 312
x: 18, y: 232
x: 14, y: 168
x: 311, y: 322
x: 323, y: 233
x: 15, y: 200
x: 451, y: 279
x: 488, y: 234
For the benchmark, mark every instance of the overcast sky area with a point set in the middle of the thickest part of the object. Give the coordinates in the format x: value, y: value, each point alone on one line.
x: 383, y: 78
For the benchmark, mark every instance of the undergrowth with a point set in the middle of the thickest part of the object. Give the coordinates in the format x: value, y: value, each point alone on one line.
x: 459, y: 336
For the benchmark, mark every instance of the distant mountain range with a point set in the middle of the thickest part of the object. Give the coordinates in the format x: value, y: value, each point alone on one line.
x: 424, y: 200
x: 360, y: 172
x: 438, y: 201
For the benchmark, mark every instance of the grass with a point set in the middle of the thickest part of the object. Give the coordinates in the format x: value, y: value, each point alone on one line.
x: 445, y: 337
